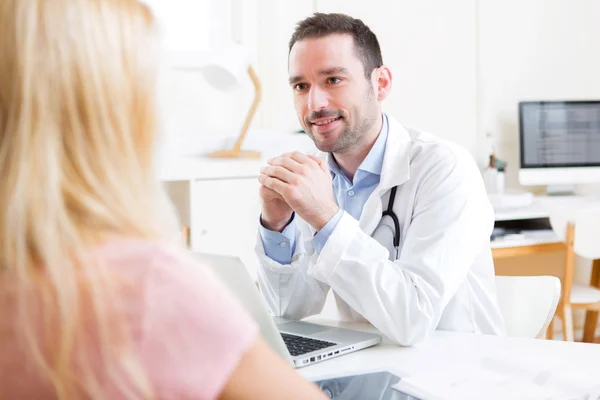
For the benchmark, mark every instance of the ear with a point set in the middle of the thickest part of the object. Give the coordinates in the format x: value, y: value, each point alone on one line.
x: 382, y: 82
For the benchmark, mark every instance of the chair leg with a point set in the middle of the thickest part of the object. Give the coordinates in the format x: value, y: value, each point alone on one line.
x: 185, y: 233
x: 550, y: 330
x: 567, y: 323
x: 591, y: 322
x: 591, y: 317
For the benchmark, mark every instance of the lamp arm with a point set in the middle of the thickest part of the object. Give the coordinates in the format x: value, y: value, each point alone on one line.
x: 258, y: 92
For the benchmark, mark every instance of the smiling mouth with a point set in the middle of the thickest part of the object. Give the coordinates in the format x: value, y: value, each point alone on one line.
x: 325, y: 122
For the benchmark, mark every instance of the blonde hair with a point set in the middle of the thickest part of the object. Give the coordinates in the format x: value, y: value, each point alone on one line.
x: 77, y: 133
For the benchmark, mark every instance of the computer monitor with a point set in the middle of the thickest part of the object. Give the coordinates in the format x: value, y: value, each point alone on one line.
x: 559, y: 144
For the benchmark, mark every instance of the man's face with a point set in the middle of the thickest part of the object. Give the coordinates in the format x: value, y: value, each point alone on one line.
x: 335, y: 103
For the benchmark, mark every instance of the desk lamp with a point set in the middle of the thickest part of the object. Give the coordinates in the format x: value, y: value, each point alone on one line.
x: 225, y: 72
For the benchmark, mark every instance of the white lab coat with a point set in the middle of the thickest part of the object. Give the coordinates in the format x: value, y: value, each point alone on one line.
x: 444, y: 275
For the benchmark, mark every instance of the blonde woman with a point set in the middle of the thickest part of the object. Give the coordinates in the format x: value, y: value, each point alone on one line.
x: 96, y: 300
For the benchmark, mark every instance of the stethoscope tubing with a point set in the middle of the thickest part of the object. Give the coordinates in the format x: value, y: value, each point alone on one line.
x: 390, y: 213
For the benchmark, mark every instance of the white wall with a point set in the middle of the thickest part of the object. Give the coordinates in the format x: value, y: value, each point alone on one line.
x: 183, y: 23
x: 275, y: 25
x: 533, y: 50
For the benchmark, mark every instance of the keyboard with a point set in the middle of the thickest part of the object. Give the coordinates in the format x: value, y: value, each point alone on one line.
x: 298, y: 345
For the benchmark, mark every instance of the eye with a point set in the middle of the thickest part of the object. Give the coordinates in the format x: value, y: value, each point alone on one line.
x: 334, y: 80
x: 300, y: 87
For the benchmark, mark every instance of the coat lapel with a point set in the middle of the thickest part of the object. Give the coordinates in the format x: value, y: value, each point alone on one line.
x: 395, y: 171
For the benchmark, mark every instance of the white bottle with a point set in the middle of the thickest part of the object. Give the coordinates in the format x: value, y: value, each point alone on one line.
x: 490, y: 176
x: 500, y: 181
x: 490, y: 179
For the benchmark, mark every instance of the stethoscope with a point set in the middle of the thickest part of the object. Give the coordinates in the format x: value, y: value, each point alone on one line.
x: 390, y: 213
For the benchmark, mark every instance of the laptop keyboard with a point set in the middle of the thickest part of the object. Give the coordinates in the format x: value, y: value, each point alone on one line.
x: 298, y: 345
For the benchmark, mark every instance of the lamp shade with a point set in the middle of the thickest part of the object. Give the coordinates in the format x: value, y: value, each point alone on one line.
x: 227, y: 69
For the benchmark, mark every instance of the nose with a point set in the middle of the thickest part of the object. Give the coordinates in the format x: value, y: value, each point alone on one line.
x: 317, y: 99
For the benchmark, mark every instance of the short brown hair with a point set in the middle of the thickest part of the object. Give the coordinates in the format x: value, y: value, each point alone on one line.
x: 320, y: 25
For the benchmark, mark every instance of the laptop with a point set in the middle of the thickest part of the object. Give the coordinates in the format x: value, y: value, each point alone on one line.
x: 300, y: 343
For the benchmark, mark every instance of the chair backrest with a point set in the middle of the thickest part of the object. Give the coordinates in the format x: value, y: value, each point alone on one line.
x: 587, y: 233
x: 586, y: 220
x: 527, y: 303
x: 580, y: 230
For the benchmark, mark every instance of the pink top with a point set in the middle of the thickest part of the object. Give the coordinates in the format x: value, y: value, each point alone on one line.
x: 188, y: 332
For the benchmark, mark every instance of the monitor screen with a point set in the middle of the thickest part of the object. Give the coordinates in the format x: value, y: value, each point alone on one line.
x: 558, y: 134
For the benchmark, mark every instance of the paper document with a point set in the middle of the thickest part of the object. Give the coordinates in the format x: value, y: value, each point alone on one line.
x: 503, y: 377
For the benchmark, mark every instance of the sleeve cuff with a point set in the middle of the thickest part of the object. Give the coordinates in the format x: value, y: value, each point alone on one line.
x: 279, y: 246
x: 326, y: 262
x: 320, y: 239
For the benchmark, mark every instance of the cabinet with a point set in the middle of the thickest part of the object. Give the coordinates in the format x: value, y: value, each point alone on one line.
x: 225, y: 220
x: 218, y: 201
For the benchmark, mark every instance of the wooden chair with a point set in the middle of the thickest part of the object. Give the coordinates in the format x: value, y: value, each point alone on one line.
x: 527, y: 303
x: 581, y: 233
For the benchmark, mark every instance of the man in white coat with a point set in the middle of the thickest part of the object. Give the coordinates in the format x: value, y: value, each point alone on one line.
x: 396, y: 222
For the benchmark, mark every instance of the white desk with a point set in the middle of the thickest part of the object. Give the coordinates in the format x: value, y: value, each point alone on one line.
x: 538, y: 242
x: 464, y: 366
x: 542, y: 206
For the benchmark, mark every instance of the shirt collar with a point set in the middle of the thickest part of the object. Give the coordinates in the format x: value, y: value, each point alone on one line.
x: 373, y: 162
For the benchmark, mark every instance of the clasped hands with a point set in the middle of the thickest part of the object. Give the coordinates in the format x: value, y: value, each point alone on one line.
x: 300, y: 183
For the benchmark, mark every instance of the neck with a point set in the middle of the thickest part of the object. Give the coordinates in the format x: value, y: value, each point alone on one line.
x: 350, y: 160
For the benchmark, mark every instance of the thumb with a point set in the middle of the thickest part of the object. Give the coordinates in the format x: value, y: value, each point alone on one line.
x: 320, y: 161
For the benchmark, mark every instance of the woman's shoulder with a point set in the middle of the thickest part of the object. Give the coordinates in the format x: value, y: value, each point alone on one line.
x: 159, y: 271
x: 137, y: 251
x: 149, y: 260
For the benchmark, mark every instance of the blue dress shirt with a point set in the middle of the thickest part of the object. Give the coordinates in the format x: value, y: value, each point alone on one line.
x: 350, y: 197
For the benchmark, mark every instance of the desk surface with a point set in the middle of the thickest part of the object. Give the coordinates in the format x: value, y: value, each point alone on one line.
x: 534, y: 239
x: 540, y: 241
x: 495, y: 367
x: 203, y: 167
x: 542, y: 206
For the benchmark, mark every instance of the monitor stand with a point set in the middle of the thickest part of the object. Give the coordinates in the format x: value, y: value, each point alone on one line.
x: 560, y: 190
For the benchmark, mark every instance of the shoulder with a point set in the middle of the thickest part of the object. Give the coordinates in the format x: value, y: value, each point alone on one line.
x: 426, y: 146
x: 443, y: 171
x: 431, y: 155
x: 424, y: 153
x: 166, y: 274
